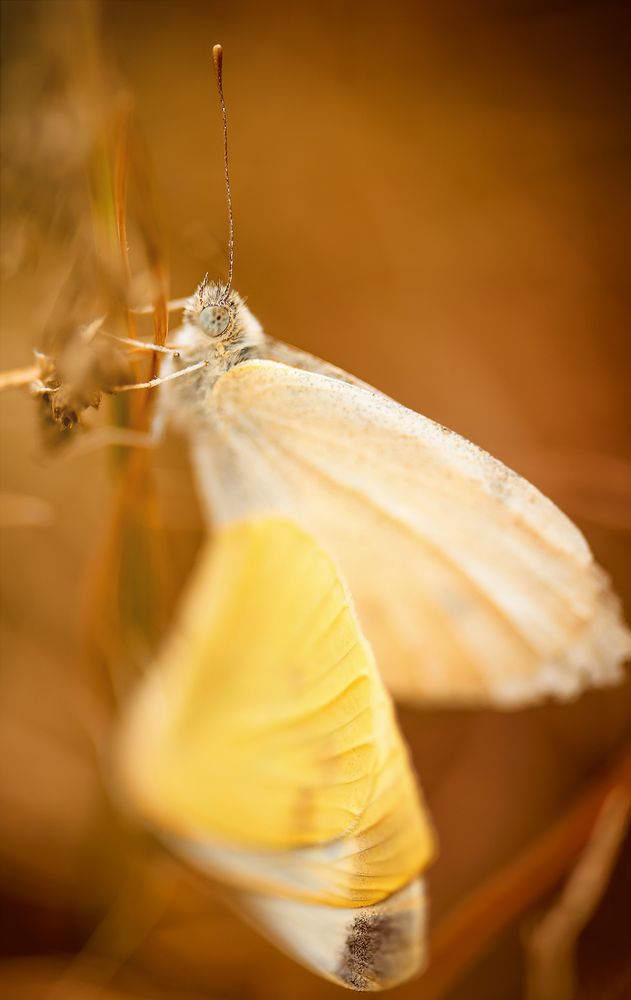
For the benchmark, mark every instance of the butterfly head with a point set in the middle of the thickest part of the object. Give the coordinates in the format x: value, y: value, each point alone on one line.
x: 221, y: 315
x: 215, y: 310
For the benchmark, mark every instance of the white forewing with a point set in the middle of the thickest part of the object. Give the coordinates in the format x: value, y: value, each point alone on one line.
x: 470, y: 584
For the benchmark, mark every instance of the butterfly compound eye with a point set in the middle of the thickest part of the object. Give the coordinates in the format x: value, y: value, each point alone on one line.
x: 214, y: 320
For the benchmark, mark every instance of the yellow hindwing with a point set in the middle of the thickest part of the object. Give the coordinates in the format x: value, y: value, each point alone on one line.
x: 265, y: 725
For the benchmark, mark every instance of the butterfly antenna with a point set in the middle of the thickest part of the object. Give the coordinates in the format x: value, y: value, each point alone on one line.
x: 218, y: 64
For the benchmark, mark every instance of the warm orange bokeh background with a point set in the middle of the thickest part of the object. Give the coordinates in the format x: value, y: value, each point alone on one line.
x: 436, y: 197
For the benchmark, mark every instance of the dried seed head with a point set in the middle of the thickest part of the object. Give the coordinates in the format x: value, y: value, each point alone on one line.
x: 75, y: 381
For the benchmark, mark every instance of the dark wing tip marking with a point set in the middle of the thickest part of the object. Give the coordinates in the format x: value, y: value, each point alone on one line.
x: 370, y: 951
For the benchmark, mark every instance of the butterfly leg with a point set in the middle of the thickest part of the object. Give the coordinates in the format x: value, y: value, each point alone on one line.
x: 161, y: 379
x: 143, y: 345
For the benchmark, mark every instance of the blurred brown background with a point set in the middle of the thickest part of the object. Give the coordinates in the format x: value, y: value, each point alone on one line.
x: 436, y: 197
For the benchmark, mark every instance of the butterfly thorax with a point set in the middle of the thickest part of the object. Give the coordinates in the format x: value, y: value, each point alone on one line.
x: 218, y: 329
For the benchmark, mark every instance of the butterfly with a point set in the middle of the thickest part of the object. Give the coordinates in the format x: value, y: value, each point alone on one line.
x: 263, y: 748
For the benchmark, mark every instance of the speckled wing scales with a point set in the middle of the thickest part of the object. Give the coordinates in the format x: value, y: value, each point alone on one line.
x: 470, y: 584
x: 367, y: 948
x: 264, y: 748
